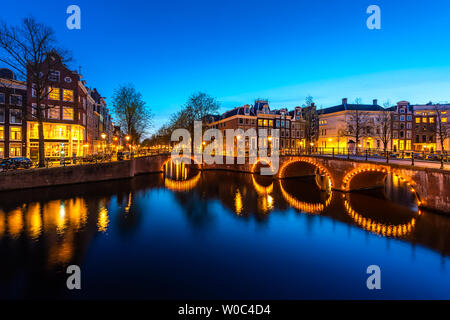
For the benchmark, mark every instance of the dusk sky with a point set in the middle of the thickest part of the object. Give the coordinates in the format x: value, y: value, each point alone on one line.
x: 241, y: 50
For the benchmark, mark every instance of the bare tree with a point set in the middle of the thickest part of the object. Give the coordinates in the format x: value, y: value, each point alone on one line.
x: 358, y: 101
x: 383, y: 126
x: 442, y: 125
x: 131, y: 112
x: 30, y: 49
x: 309, y: 114
x: 358, y: 124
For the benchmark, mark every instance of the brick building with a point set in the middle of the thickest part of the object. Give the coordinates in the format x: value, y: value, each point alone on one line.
x: 13, y: 101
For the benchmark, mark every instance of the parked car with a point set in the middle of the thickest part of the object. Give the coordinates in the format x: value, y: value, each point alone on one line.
x: 16, y: 163
x: 433, y: 157
x: 22, y: 162
x: 6, y: 164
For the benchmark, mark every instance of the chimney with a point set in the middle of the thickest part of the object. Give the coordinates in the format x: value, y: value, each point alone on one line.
x: 375, y: 102
x: 344, y: 101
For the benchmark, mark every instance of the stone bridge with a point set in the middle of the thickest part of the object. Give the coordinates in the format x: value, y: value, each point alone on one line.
x: 428, y: 184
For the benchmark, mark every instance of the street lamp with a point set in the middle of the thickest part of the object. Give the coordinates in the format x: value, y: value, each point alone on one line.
x: 103, y: 136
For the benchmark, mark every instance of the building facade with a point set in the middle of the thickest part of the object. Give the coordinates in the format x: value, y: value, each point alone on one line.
x: 13, y: 128
x: 335, y: 127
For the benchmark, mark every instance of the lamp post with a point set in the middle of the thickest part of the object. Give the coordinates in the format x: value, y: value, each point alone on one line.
x: 103, y: 136
x: 128, y: 138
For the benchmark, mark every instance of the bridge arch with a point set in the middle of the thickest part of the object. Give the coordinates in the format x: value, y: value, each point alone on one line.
x: 379, y: 173
x: 262, y: 161
x: 181, y: 159
x: 321, y: 169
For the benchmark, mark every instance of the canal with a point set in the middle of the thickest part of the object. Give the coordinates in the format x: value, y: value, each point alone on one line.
x: 216, y: 234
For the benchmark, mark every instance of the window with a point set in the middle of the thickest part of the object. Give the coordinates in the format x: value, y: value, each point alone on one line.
x: 402, y: 110
x: 278, y: 123
x: 265, y: 123
x: 408, y: 134
x: 240, y: 119
x: 2, y: 150
x: 282, y: 123
x: 15, y: 116
x: 15, y: 100
x: 409, y: 125
x: 68, y: 95
x: 33, y: 90
x: 270, y: 123
x: 67, y: 113
x: 395, y: 135
x: 431, y: 120
x: 424, y: 120
x: 54, y: 112
x: 2, y: 115
x: 287, y: 124
x: 408, y: 144
x: 395, y: 118
x: 2, y: 98
x: 2, y: 133
x: 402, y: 118
x: 53, y: 75
x: 15, y: 133
x: 444, y: 120
x: 417, y: 120
x: 409, y: 117
x: 53, y: 93
x: 34, y: 110
x: 260, y: 123
x: 15, y: 150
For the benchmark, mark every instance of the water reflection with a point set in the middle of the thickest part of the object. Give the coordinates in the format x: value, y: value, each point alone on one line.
x: 43, y: 232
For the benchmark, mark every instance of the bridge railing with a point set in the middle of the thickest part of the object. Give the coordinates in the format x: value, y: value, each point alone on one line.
x: 370, y: 154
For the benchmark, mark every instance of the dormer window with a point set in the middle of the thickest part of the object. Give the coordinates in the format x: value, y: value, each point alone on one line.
x: 53, y: 75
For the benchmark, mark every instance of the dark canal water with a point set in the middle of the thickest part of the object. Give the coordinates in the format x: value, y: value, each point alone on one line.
x: 220, y: 235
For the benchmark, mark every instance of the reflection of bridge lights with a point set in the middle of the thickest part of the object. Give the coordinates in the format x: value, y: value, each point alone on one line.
x: 261, y: 190
x: 377, y: 227
x: 2, y: 223
x: 312, y: 208
x: 181, y: 186
x: 127, y: 208
x: 262, y: 161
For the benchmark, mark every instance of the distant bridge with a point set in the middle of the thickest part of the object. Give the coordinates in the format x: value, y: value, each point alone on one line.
x: 430, y: 185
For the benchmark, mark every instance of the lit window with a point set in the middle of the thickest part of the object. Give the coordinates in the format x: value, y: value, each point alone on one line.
x: 68, y: 95
x: 15, y: 150
x: 15, y: 116
x: 15, y: 133
x: 270, y: 123
x: 265, y: 123
x: 15, y: 100
x: 424, y: 119
x: 53, y: 93
x: 54, y: 112
x: 417, y: 120
x: 2, y: 150
x: 67, y: 113
x: 444, y: 120
x: 2, y: 133
x: 260, y: 123
x: 431, y: 120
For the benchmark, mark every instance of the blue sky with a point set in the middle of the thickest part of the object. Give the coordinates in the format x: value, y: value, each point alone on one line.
x: 241, y: 50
